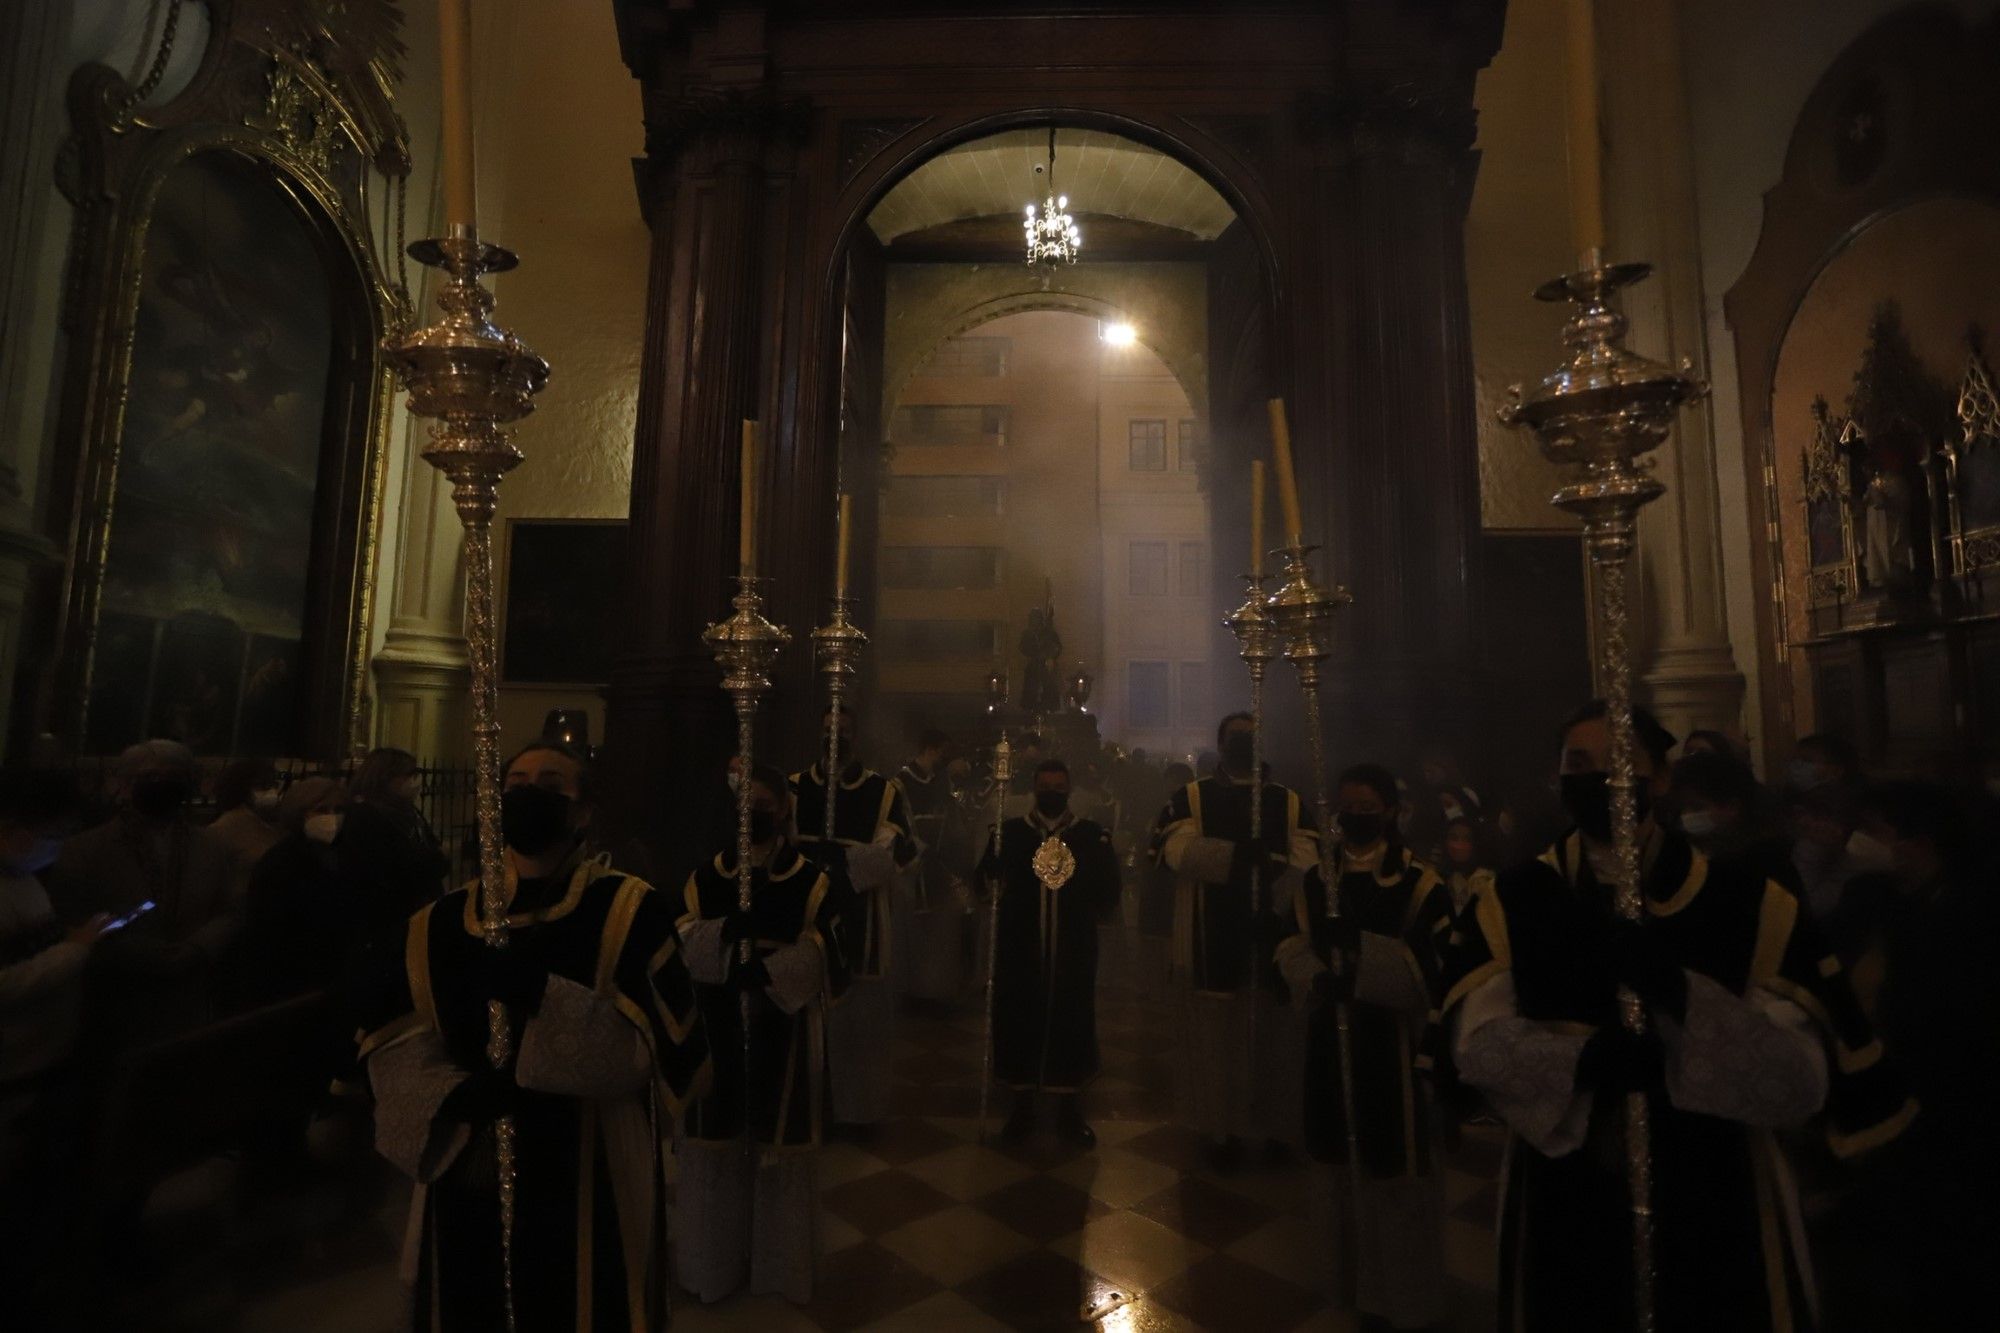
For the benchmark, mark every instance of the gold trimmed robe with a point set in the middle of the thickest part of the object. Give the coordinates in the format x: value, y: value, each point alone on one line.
x: 1772, y: 1036
x: 606, y: 1063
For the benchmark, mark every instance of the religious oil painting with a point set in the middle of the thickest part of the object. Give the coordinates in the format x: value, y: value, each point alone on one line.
x: 219, y: 465
x: 562, y: 592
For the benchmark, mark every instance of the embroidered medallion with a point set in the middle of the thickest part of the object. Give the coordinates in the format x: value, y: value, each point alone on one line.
x: 1054, y: 863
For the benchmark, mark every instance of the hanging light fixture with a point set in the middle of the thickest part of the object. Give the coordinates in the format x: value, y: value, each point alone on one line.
x: 1052, y: 235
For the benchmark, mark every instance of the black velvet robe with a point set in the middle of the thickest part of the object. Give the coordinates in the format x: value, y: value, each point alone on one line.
x: 865, y: 805
x: 614, y: 934
x: 1217, y: 918
x: 1407, y: 910
x: 1045, y: 956
x: 793, y: 901
x: 1724, y: 1258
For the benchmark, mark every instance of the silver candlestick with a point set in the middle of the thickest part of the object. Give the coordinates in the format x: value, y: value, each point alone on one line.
x: 1303, y: 613
x: 746, y: 646
x: 1601, y: 412
x: 474, y: 378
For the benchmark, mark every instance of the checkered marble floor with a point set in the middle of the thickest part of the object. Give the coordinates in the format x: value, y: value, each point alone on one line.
x: 924, y: 1228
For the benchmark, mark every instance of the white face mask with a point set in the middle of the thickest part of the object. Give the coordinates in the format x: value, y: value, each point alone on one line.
x: 323, y: 827
x: 735, y: 781
x: 1699, y: 824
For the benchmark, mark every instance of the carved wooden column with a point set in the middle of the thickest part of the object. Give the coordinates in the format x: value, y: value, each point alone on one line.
x: 668, y: 730
x: 1381, y: 369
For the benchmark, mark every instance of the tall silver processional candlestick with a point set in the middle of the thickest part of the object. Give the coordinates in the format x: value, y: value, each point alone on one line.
x: 1601, y: 412
x: 473, y: 378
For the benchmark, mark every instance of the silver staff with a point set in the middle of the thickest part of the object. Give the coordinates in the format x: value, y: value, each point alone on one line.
x: 473, y: 377
x: 1603, y: 410
x: 1303, y: 612
x: 837, y: 646
x: 1259, y: 644
x: 746, y: 646
x: 1003, y: 773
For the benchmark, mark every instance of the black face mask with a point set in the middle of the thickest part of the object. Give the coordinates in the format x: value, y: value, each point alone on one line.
x: 533, y: 819
x: 159, y: 798
x: 1051, y: 803
x: 1239, y: 751
x: 1587, y: 797
x: 1363, y: 830
x: 763, y: 827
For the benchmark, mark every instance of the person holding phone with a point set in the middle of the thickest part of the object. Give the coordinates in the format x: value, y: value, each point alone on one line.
x: 157, y: 977
x: 41, y: 1004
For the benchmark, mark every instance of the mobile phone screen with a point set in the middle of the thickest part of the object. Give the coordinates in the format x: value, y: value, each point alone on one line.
x: 120, y: 922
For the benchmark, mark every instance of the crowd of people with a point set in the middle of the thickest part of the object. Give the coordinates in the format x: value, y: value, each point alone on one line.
x: 1348, y: 996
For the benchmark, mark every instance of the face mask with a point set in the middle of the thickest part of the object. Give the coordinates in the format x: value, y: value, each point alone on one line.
x: 265, y: 800
x: 763, y: 827
x: 1587, y: 797
x: 1700, y: 825
x: 159, y: 798
x: 735, y: 781
x: 1362, y: 830
x: 37, y: 858
x: 1051, y: 803
x: 323, y: 827
x: 1805, y: 774
x: 533, y: 818
x: 1239, y: 751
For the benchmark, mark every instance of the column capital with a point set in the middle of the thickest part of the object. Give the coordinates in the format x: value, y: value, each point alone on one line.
x: 1415, y: 120
x: 723, y: 125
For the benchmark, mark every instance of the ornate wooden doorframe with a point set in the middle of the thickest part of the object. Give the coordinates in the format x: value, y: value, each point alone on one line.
x: 1896, y: 119
x: 1341, y: 135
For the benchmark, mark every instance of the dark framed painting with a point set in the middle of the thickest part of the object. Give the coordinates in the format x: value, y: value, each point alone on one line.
x: 563, y: 580
x: 212, y: 535
x: 226, y: 401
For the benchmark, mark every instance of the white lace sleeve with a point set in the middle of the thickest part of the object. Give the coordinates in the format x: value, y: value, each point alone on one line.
x: 797, y: 971
x: 411, y: 1078
x: 871, y: 869
x: 1386, y: 976
x: 1753, y: 1059
x: 1205, y: 860
x: 1299, y: 966
x: 701, y: 946
x: 579, y: 1045
x: 1525, y: 1068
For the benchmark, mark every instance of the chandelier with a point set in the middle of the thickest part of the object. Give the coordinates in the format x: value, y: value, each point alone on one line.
x: 1051, y: 234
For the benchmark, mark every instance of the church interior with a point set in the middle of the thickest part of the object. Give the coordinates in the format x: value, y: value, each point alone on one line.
x: 1191, y: 462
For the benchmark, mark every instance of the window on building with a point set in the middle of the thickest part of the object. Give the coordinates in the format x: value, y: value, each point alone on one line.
x: 969, y: 358
x: 939, y: 640
x: 1194, y: 694
x: 949, y: 425
x: 943, y: 497
x: 1194, y: 580
x: 1147, y: 443
x: 1149, y: 569
x: 942, y: 567
x: 1189, y: 456
x: 1147, y: 687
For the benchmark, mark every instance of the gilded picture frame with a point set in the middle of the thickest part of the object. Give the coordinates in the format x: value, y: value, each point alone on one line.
x: 258, y: 500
